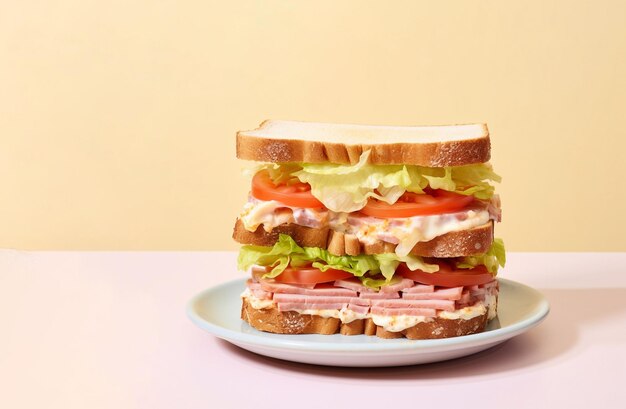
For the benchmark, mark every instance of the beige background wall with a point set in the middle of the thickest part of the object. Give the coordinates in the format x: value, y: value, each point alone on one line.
x: 117, y: 118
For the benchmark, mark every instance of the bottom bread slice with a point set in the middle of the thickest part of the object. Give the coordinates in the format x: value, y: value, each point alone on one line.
x: 291, y: 322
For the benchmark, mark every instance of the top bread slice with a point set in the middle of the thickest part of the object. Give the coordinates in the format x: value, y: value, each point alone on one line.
x: 313, y: 142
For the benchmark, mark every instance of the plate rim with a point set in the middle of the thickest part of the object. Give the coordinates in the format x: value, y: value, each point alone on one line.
x: 266, y: 340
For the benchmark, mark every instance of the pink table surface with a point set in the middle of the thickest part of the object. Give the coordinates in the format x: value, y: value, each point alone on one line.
x: 108, y: 330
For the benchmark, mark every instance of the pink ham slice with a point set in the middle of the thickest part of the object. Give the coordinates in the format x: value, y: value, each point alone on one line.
x: 262, y: 295
x: 360, y: 301
x: 446, y: 305
x: 405, y: 283
x: 379, y: 296
x: 353, y: 284
x: 402, y: 298
x: 253, y: 285
x: 298, y: 306
x: 426, y: 312
x: 440, y: 294
x: 465, y: 297
x: 255, y: 289
x: 311, y: 299
x: 420, y: 288
x: 359, y: 309
x: 292, y: 289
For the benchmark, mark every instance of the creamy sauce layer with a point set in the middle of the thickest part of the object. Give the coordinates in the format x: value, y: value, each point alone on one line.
x: 345, y: 315
x: 405, y: 232
x: 466, y: 313
x: 397, y: 323
x: 255, y: 302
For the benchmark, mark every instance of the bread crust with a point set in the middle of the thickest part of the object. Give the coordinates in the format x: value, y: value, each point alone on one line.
x: 453, y: 244
x: 453, y: 153
x: 304, y: 236
x: 424, y: 153
x: 291, y: 322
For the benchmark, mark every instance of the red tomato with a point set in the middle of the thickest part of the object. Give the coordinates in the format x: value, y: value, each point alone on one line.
x: 296, y: 194
x: 413, y: 204
x: 310, y: 275
x: 448, y: 276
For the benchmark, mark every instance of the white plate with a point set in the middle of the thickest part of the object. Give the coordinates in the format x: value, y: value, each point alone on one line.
x: 217, y: 310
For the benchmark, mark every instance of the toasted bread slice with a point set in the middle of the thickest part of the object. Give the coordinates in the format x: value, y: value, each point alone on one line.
x: 312, y: 142
x: 292, y: 322
x: 304, y: 236
x: 453, y: 244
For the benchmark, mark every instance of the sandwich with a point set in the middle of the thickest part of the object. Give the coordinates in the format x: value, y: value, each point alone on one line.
x: 369, y: 230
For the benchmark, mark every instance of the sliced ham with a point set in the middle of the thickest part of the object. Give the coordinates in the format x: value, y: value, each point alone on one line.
x: 402, y: 298
x: 426, y: 312
x: 453, y: 293
x: 353, y: 284
x: 262, y: 295
x: 420, y: 288
x: 465, y: 297
x: 359, y: 309
x: 294, y: 289
x: 299, y: 306
x: 311, y: 299
x: 405, y: 283
x: 446, y: 305
x: 360, y: 301
x: 253, y: 285
x: 379, y: 295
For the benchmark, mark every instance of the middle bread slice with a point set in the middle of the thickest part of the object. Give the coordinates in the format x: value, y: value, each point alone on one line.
x: 453, y: 244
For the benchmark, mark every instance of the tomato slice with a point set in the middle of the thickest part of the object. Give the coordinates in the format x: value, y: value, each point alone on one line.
x: 296, y: 194
x: 310, y: 275
x: 448, y: 276
x: 413, y: 204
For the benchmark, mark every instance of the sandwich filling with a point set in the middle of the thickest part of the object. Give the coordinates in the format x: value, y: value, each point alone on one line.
x: 398, y: 204
x: 349, y: 188
x: 395, y: 292
x: 395, y: 308
x: 405, y: 232
x: 289, y: 263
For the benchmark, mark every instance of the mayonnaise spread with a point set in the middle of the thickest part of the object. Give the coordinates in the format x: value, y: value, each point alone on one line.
x: 405, y: 232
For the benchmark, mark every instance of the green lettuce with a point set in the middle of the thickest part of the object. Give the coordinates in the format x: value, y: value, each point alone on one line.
x: 346, y: 188
x: 365, y: 266
x: 474, y: 180
x: 374, y: 270
x: 495, y: 257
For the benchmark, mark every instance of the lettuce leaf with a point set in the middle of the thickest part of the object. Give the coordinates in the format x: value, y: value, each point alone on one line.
x: 346, y: 188
x: 373, y: 270
x: 286, y: 252
x: 495, y: 257
x: 474, y: 180
x: 278, y: 256
x: 376, y: 283
x: 389, y: 262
